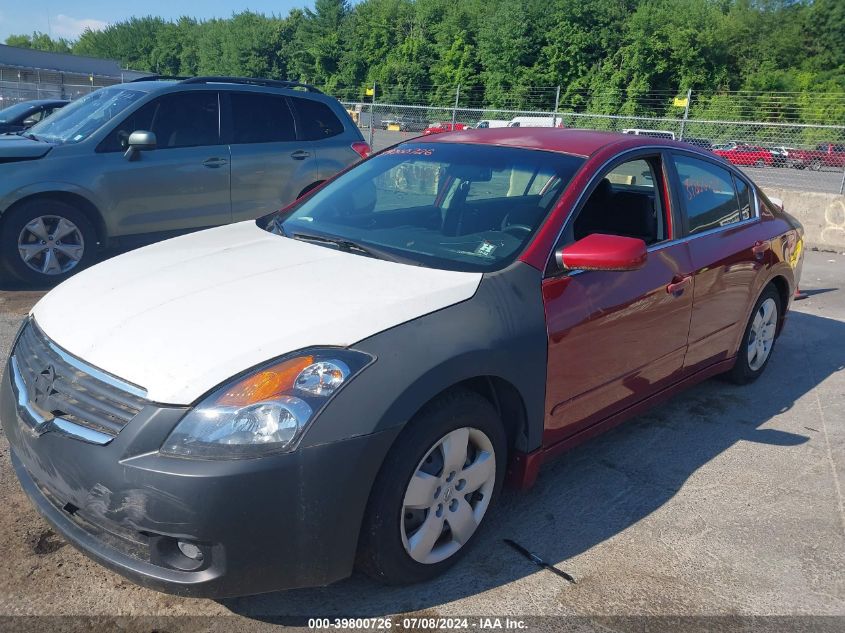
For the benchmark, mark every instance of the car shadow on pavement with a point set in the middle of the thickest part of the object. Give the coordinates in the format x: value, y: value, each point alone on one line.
x: 601, y: 488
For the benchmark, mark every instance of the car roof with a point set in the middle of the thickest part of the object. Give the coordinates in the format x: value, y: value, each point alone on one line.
x: 176, y: 85
x: 567, y: 141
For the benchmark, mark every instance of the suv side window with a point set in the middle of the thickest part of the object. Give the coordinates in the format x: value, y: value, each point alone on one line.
x: 260, y: 118
x: 316, y: 119
x: 184, y: 119
x: 708, y: 193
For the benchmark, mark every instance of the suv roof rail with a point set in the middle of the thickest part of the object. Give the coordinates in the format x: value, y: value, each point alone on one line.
x: 249, y: 81
x: 157, y: 78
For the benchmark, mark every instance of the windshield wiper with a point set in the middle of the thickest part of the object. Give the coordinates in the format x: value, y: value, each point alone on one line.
x: 29, y: 135
x: 349, y: 246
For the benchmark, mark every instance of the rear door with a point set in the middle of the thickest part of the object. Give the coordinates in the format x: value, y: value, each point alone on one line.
x: 183, y: 183
x: 727, y: 253
x: 270, y: 164
x: 616, y: 338
x: 331, y: 143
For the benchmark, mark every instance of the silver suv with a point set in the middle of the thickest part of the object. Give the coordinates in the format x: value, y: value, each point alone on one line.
x: 141, y: 161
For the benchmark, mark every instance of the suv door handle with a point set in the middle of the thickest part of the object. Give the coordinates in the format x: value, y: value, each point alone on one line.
x: 300, y: 154
x: 679, y: 284
x: 213, y: 163
x: 759, y: 249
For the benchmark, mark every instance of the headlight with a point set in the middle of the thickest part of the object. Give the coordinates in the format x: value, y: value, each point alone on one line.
x: 267, y: 410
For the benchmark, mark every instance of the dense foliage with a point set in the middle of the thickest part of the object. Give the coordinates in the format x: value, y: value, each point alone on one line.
x: 611, y: 56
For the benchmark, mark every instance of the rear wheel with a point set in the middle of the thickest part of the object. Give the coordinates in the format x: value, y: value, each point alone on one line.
x: 759, y: 163
x: 46, y: 241
x: 434, y: 490
x: 757, y: 344
x: 815, y: 164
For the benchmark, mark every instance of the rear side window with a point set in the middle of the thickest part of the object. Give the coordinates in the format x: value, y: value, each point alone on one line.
x: 708, y: 194
x: 316, y: 119
x: 743, y: 195
x: 258, y: 118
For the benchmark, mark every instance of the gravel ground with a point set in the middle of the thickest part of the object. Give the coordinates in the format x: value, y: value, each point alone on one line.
x: 724, y: 501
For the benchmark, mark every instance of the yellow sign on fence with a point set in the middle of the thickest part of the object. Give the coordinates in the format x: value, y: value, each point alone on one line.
x: 370, y: 92
x: 680, y: 103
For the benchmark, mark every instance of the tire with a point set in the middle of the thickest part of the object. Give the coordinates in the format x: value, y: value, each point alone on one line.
x: 391, y: 530
x: 749, y: 366
x: 759, y: 163
x: 816, y: 165
x: 58, y: 257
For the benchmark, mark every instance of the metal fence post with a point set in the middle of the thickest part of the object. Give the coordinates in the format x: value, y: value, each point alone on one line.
x: 686, y: 114
x: 557, y: 104
x: 842, y: 184
x: 372, y: 113
x: 455, y: 109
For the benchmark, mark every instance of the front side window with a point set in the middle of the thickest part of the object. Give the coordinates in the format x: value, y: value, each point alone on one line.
x: 627, y: 201
x: 81, y: 118
x: 183, y: 119
x: 443, y: 205
x: 316, y: 119
x: 258, y: 118
x: 707, y: 191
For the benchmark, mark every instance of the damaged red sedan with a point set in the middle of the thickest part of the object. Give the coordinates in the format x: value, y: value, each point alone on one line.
x: 348, y: 381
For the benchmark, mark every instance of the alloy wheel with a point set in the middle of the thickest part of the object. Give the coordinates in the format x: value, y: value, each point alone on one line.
x: 762, y: 334
x: 448, y: 495
x: 51, y: 245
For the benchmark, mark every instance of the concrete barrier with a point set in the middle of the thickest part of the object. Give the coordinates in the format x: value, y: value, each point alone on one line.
x: 822, y: 214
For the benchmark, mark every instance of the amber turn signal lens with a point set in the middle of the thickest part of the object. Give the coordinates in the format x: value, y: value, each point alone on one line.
x: 265, y: 384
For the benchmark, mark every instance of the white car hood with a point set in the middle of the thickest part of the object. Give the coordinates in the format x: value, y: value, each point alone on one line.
x: 180, y: 317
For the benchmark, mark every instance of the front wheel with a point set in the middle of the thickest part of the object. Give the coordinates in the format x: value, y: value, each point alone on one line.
x: 757, y: 344
x: 434, y: 490
x: 45, y: 241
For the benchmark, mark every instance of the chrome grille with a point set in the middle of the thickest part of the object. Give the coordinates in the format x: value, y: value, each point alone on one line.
x: 62, y: 388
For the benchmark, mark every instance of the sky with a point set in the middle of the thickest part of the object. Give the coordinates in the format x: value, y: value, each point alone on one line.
x: 69, y: 18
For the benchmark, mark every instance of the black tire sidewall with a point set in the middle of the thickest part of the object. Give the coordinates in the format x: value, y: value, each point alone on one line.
x: 12, y: 222
x: 381, y: 553
x: 742, y: 372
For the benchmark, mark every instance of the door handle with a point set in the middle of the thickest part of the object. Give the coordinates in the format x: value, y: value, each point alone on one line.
x: 300, y: 154
x: 213, y: 163
x: 679, y: 284
x: 759, y: 249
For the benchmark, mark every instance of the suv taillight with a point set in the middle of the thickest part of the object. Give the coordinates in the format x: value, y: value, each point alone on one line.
x: 362, y: 148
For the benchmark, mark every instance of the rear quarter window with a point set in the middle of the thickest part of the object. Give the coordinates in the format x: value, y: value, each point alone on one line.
x: 316, y: 119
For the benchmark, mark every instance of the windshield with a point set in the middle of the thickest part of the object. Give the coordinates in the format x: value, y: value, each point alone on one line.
x: 81, y: 118
x: 14, y: 111
x: 443, y: 205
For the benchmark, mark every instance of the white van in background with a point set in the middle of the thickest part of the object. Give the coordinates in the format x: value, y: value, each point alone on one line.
x: 652, y: 133
x: 488, y: 123
x: 535, y: 121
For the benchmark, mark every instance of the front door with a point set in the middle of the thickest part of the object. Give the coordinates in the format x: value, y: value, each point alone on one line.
x: 183, y: 183
x: 617, y: 337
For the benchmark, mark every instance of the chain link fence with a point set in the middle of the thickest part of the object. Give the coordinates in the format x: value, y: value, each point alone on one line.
x: 791, y: 141
x: 783, y: 140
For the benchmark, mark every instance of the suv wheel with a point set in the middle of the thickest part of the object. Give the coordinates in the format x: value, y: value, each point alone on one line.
x: 434, y: 489
x: 46, y: 241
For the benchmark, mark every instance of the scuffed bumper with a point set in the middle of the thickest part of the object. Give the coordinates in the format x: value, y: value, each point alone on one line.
x: 261, y: 525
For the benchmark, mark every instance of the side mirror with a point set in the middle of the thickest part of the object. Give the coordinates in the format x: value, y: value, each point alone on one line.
x: 603, y: 252
x: 139, y: 141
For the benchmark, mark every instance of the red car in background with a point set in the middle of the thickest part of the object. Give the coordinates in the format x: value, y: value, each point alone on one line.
x: 444, y: 126
x: 825, y: 155
x: 750, y: 155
